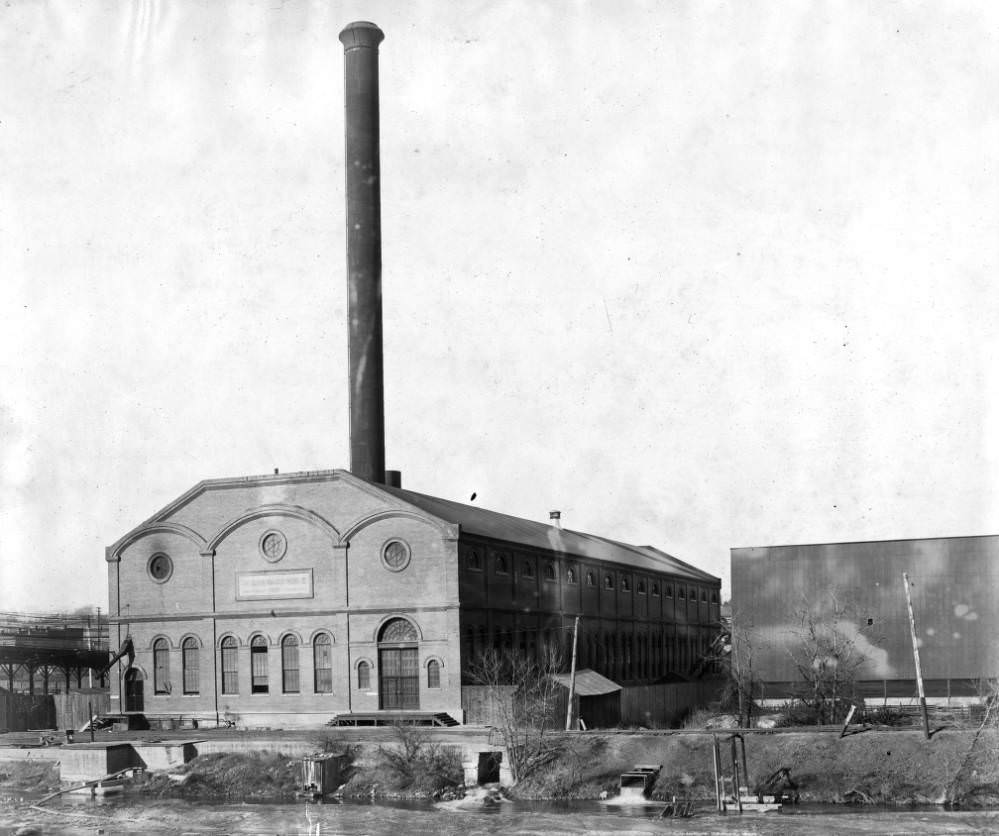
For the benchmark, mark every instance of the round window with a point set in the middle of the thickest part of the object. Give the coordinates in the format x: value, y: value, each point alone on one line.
x: 395, y: 555
x: 160, y: 567
x: 273, y: 545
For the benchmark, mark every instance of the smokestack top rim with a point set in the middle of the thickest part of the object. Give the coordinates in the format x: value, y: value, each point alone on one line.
x: 361, y: 34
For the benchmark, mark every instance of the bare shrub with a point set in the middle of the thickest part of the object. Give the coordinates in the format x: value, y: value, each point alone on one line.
x: 529, y: 705
x: 416, y: 762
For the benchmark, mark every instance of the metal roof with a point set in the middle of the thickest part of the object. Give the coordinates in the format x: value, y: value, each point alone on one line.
x: 471, y: 519
x: 518, y: 531
x: 589, y: 683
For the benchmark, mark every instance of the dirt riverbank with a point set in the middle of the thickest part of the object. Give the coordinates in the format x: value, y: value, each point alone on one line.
x: 876, y: 767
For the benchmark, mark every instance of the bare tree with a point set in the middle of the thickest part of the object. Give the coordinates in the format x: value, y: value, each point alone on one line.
x: 988, y: 692
x: 528, y: 706
x: 828, y: 654
x: 737, y: 645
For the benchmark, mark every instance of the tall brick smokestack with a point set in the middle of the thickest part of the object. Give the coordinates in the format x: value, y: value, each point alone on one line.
x: 364, y: 250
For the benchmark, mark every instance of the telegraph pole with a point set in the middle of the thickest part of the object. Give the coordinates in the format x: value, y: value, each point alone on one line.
x: 915, y: 655
x: 572, y: 677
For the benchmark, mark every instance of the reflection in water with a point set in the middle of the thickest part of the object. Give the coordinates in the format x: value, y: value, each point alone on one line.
x: 178, y: 818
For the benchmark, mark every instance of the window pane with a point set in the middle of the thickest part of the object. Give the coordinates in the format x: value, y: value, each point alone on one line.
x: 258, y: 666
x: 230, y: 667
x: 433, y: 674
x: 322, y: 657
x: 364, y: 675
x: 161, y: 667
x: 289, y: 665
x: 191, y: 660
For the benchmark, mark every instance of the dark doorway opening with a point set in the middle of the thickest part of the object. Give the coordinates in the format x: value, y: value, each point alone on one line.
x: 489, y: 767
x: 134, y: 691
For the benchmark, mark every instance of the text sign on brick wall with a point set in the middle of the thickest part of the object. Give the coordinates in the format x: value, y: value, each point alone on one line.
x: 276, y: 584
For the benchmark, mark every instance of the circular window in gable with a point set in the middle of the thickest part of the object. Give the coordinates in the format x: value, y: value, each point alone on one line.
x: 396, y: 555
x: 160, y: 567
x: 273, y: 545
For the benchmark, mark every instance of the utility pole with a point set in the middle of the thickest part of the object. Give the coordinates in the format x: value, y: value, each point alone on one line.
x: 572, y: 677
x: 915, y: 655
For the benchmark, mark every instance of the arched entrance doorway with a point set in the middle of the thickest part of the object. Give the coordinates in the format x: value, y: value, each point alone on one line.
x: 134, y: 690
x: 398, y: 666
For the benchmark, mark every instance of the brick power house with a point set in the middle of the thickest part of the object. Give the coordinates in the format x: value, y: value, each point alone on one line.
x: 289, y: 599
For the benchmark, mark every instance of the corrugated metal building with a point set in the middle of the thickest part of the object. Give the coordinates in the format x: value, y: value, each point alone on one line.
x: 954, y: 583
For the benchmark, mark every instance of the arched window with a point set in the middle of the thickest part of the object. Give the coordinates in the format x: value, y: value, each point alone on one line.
x: 669, y: 590
x: 550, y: 572
x: 625, y: 584
x: 570, y: 574
x: 258, y: 665
x: 608, y: 582
x: 363, y: 675
x: 641, y: 587
x: 501, y: 564
x: 590, y: 579
x: 289, y: 665
x: 527, y: 570
x: 230, y: 666
x: 322, y: 663
x: 190, y: 658
x: 473, y: 561
x: 397, y: 630
x: 161, y: 667
x: 433, y: 674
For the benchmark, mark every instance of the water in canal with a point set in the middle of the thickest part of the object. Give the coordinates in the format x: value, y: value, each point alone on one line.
x: 119, y: 817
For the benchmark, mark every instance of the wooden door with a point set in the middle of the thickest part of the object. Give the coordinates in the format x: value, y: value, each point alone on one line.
x: 399, y: 678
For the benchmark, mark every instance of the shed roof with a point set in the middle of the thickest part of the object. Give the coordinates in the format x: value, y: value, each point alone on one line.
x: 497, y: 526
x: 589, y: 683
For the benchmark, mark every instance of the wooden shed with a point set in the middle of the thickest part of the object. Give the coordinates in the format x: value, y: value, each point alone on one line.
x: 597, y: 699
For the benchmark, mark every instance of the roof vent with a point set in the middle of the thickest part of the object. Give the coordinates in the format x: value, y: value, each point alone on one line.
x: 556, y: 518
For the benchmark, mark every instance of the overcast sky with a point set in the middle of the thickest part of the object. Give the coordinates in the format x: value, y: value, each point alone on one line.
x: 700, y: 275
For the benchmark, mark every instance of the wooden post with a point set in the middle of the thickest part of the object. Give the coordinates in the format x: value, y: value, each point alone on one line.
x: 745, y: 769
x: 716, y: 759
x: 572, y: 677
x: 915, y: 656
x: 735, y: 776
x: 846, y: 722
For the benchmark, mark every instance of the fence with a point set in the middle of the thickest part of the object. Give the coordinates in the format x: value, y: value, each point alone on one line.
x: 20, y: 712
x: 660, y: 706
x: 71, y: 709
x: 664, y: 705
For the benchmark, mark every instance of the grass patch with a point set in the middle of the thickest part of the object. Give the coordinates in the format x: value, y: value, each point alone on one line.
x: 29, y: 775
x: 231, y: 776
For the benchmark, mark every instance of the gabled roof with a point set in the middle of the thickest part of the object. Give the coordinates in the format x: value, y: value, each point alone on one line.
x: 518, y: 531
x: 471, y: 519
x: 588, y: 683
